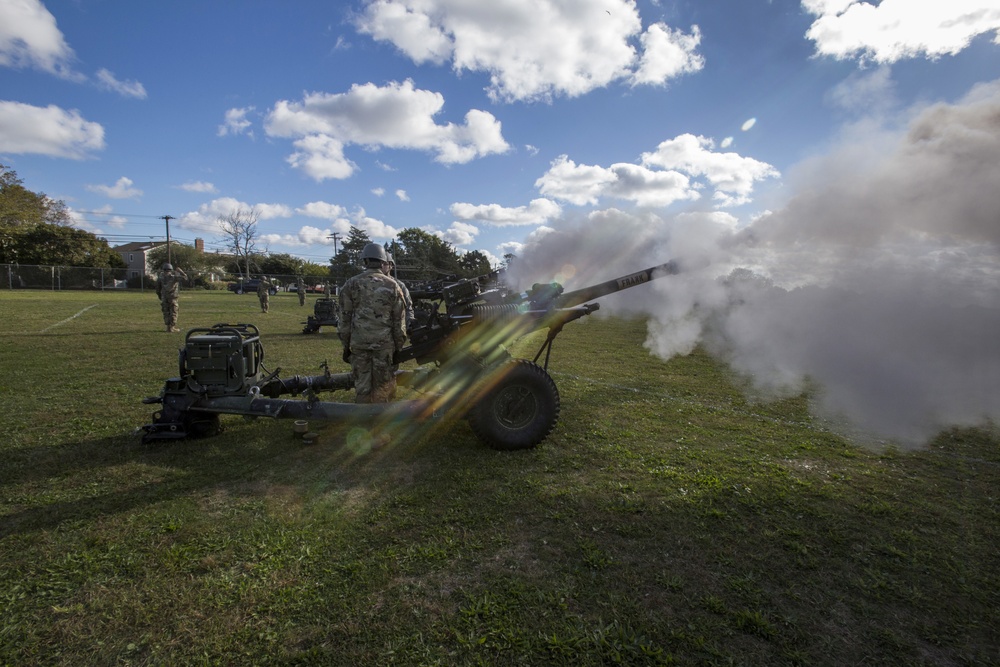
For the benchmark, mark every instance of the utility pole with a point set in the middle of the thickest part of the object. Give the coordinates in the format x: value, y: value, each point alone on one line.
x: 168, y: 218
x: 335, y: 236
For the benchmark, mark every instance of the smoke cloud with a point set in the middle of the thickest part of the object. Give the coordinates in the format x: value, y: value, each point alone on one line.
x: 876, y: 284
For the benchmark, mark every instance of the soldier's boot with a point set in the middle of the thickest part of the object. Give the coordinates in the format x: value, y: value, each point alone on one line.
x: 169, y: 328
x: 174, y: 330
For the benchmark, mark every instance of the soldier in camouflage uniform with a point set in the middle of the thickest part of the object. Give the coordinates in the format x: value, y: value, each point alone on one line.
x: 407, y: 301
x: 372, y: 327
x: 168, y: 285
x: 263, y: 294
x: 301, y: 289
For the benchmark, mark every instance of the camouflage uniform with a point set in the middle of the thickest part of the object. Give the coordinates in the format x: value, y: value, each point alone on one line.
x: 372, y: 327
x: 301, y: 289
x: 407, y: 302
x: 408, y: 316
x: 168, y: 285
x: 263, y: 294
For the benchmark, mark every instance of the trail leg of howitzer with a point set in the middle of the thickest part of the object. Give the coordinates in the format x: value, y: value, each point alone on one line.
x: 68, y: 319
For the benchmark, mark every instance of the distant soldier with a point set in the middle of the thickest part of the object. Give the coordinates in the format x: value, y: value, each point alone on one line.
x: 168, y: 285
x: 300, y: 288
x: 326, y: 290
x: 372, y: 327
x: 407, y: 301
x: 264, y: 293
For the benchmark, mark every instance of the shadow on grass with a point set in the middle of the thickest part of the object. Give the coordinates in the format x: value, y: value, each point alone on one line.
x: 130, y: 474
x: 47, y: 486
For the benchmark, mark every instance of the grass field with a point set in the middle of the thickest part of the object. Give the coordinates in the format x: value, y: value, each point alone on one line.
x: 667, y: 520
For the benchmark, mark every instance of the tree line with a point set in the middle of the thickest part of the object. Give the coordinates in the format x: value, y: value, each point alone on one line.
x: 419, y: 255
x: 36, y: 229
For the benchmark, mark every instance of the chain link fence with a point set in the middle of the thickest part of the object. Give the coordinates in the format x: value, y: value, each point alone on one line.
x: 24, y: 276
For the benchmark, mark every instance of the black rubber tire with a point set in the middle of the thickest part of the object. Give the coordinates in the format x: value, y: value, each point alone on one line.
x: 238, y: 290
x: 519, y: 410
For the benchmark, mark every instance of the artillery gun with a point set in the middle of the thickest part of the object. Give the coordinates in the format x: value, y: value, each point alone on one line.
x: 326, y: 313
x: 458, y: 338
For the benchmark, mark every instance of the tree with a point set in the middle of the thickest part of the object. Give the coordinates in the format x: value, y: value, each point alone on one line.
x: 314, y: 269
x: 424, y: 255
x: 46, y: 243
x: 20, y: 211
x: 474, y: 263
x: 347, y: 261
x: 186, y: 257
x: 280, y: 264
x: 239, y: 230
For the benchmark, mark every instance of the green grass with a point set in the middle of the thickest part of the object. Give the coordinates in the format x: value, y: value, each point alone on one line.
x: 667, y: 519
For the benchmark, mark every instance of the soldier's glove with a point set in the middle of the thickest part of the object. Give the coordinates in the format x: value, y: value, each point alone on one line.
x: 347, y: 356
x: 395, y: 358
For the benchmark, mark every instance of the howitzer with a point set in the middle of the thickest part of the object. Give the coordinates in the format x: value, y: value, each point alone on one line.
x: 458, y: 337
x: 326, y: 313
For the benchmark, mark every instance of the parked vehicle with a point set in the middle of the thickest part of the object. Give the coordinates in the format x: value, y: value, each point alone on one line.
x: 249, y: 287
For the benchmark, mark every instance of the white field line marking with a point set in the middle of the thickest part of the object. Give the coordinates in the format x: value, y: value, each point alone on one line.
x: 72, y: 317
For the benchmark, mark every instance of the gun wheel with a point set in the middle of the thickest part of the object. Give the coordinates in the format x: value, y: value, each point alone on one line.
x: 520, y: 408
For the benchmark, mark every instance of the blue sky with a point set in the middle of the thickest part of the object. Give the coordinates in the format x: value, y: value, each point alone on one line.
x: 485, y: 123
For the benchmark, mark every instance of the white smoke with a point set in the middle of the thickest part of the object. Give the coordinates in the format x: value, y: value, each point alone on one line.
x: 877, y: 285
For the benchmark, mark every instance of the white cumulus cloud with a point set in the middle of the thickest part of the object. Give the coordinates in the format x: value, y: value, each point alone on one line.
x: 539, y: 211
x: 732, y: 175
x: 323, y: 210
x: 396, y: 115
x: 29, y: 37
x: 198, y: 186
x: 460, y: 233
x: 676, y: 171
x: 586, y: 184
x: 306, y: 236
x: 47, y: 130
x: 205, y: 219
x: 534, y: 49
x: 401, y: 194
x: 122, y: 189
x: 892, y: 30
x: 667, y: 54
x: 126, y: 88
x: 236, y: 122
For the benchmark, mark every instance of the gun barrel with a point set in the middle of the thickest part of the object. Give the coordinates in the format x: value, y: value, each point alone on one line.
x: 576, y: 297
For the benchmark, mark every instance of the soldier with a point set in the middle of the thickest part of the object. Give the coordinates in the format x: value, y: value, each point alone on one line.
x: 372, y: 327
x: 168, y: 285
x: 407, y: 301
x: 300, y: 288
x: 263, y: 293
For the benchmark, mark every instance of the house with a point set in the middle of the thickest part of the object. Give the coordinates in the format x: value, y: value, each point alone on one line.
x: 134, y: 254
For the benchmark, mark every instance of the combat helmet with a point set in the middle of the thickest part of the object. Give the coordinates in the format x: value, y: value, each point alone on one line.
x: 167, y: 266
x: 374, y: 251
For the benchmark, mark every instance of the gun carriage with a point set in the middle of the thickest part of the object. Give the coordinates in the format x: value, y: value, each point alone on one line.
x: 326, y: 313
x: 458, y: 338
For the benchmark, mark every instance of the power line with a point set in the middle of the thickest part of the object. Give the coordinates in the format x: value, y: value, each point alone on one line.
x: 126, y: 215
